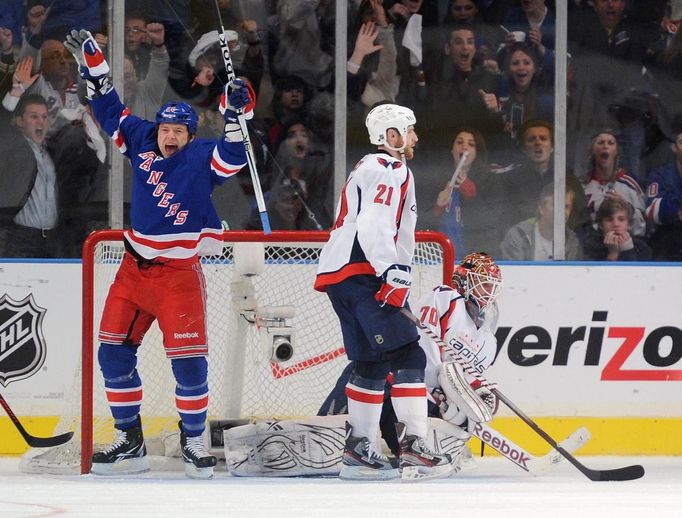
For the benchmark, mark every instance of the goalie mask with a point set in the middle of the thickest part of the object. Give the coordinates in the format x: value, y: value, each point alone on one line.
x: 386, y: 116
x: 478, y: 279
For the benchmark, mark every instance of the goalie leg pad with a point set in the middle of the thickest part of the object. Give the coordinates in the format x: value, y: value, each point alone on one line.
x: 444, y: 437
x: 458, y: 392
x: 309, y: 447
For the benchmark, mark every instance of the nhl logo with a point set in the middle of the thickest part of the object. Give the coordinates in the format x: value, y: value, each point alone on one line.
x: 379, y: 339
x: 22, y: 345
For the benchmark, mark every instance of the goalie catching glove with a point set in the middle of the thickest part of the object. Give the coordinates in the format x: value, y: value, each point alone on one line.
x: 92, y: 66
x: 464, y: 401
x: 238, y: 98
x: 395, y: 288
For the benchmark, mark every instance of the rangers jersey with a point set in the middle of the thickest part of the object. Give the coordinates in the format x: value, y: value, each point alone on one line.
x: 444, y: 311
x: 375, y: 221
x: 664, y: 195
x: 626, y: 187
x: 172, y: 214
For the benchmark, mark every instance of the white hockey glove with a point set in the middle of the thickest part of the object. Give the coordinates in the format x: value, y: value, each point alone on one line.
x: 462, y: 400
x: 395, y: 287
x: 92, y: 66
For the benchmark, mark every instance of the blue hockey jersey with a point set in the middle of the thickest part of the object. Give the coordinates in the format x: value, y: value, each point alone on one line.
x: 172, y: 213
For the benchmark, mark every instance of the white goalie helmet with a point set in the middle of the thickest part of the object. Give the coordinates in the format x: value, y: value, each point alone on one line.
x: 386, y: 116
x: 478, y: 279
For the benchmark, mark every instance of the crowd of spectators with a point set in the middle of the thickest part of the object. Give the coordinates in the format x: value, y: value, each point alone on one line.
x: 479, y: 75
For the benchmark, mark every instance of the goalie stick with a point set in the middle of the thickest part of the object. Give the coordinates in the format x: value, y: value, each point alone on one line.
x: 625, y: 473
x: 535, y: 465
x: 250, y: 157
x: 32, y: 440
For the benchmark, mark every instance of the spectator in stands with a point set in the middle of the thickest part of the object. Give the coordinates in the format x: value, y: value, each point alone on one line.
x: 520, y: 185
x: 418, y: 50
x: 522, y: 97
x: 74, y: 141
x: 144, y: 94
x: 295, y: 43
x: 536, y: 20
x: 287, y: 209
x: 61, y: 15
x: 238, y: 18
x: 607, y: 50
x: 12, y: 18
x: 664, y: 203
x: 449, y: 204
x: 466, y: 12
x: 533, y: 239
x: 372, y: 66
x: 289, y: 102
x: 613, y: 240
x: 200, y: 76
x: 7, y: 64
x: 465, y: 94
x: 137, y: 45
x: 304, y: 158
x: 609, y: 32
x: 28, y: 184
x: 175, y: 15
x: 607, y: 179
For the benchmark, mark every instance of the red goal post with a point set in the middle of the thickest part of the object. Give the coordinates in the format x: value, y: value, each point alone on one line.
x: 287, y: 309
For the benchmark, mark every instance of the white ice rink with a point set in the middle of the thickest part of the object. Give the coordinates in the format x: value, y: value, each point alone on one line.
x: 495, y: 488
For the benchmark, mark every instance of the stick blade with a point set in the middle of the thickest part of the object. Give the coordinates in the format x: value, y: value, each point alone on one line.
x: 616, y: 475
x: 47, y: 442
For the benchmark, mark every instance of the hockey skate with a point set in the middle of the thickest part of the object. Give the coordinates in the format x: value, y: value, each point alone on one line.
x: 361, y: 461
x: 198, y: 462
x: 127, y: 455
x: 417, y: 461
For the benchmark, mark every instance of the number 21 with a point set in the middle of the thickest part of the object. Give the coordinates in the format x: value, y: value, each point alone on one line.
x: 382, y: 190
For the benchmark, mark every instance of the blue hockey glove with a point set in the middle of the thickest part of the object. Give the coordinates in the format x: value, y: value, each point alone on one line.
x: 238, y: 98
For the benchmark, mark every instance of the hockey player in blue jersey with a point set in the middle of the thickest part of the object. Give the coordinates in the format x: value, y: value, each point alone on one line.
x: 160, y: 277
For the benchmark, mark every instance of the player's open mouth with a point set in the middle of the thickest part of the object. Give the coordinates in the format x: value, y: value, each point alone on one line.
x: 170, y: 148
x: 604, y: 155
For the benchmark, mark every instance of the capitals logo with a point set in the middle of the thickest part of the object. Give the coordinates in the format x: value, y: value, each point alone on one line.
x: 22, y: 345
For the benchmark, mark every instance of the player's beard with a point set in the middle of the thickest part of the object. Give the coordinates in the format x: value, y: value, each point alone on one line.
x: 409, y: 153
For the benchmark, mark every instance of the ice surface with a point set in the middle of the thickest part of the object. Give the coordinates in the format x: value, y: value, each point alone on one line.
x: 495, y: 488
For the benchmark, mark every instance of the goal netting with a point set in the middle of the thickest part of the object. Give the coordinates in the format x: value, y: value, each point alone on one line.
x: 275, y: 347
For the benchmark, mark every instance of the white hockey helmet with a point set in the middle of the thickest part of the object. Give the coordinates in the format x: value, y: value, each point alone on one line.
x: 478, y: 279
x: 386, y: 116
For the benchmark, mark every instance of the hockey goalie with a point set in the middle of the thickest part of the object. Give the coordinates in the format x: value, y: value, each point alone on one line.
x: 464, y: 315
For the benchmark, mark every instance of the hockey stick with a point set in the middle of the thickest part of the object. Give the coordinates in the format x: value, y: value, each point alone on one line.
x: 31, y: 440
x: 625, y: 473
x: 532, y: 464
x: 250, y: 158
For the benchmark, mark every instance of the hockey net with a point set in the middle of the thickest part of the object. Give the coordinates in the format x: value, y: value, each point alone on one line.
x: 275, y: 343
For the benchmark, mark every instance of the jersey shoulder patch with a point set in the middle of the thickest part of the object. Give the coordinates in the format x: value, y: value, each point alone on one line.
x: 392, y: 164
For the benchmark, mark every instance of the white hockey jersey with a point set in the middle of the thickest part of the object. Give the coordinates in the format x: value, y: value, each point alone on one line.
x: 444, y: 311
x: 375, y: 221
x: 626, y: 187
